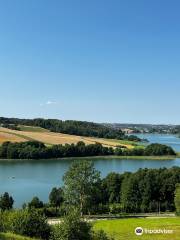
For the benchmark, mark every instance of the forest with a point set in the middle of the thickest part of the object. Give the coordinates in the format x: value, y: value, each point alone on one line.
x: 38, y: 150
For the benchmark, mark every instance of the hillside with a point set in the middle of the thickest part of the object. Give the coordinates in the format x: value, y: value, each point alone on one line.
x: 72, y: 127
x: 28, y: 133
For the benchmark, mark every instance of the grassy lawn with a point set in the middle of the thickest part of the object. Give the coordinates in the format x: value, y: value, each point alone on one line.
x: 124, y: 229
x: 11, y: 236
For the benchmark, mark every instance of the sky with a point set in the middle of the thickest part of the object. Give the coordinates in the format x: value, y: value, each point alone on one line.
x: 101, y: 61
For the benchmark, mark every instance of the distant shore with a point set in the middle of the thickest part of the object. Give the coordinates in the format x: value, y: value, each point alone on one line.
x: 103, y: 157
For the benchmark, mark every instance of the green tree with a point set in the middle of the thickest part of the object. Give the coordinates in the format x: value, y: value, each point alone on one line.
x: 35, y: 203
x: 156, y: 149
x: 79, y: 183
x: 177, y: 199
x: 6, y: 202
x: 56, y: 197
x: 72, y: 228
x: 112, y: 184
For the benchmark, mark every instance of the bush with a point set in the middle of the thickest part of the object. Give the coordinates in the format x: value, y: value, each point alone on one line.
x: 115, y: 208
x: 72, y: 228
x: 27, y: 223
x: 53, y: 211
x: 100, y: 235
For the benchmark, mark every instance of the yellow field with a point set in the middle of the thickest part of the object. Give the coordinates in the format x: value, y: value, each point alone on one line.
x: 52, y: 138
x: 4, y: 137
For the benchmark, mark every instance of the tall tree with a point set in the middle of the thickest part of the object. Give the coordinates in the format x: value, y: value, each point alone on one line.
x: 79, y: 183
x: 56, y: 197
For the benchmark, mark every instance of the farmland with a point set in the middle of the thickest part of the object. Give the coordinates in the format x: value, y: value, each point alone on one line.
x: 28, y: 133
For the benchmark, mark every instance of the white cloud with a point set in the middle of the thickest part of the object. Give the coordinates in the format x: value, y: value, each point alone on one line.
x: 48, y: 103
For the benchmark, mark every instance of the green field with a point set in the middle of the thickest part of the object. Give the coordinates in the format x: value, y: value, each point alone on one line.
x: 11, y: 236
x: 32, y: 129
x: 124, y: 229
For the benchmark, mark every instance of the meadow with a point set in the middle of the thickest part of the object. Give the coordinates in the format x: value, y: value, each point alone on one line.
x: 124, y: 229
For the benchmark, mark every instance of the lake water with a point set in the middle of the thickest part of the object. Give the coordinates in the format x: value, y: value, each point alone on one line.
x: 25, y: 179
x: 170, y: 140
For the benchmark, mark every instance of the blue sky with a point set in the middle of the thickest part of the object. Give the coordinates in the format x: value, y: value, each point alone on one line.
x: 104, y: 61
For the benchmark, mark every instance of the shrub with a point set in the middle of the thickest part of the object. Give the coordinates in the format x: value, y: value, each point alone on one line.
x: 27, y: 223
x: 72, y: 228
x: 100, y: 235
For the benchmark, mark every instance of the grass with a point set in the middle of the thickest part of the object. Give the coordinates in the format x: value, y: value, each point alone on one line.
x: 111, y: 142
x: 11, y: 236
x: 123, y: 157
x: 126, y: 142
x: 32, y: 129
x: 124, y: 229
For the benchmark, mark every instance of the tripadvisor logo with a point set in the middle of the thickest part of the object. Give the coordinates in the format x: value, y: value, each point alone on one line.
x: 139, y: 231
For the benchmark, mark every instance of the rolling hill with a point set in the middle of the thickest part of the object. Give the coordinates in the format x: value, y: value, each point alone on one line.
x: 29, y: 133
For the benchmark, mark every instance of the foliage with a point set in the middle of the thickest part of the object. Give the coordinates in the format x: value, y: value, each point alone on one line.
x: 149, y: 190
x: 72, y: 227
x: 111, y: 185
x: 56, y: 197
x: 37, y: 150
x: 27, y: 223
x: 79, y: 183
x: 157, y: 149
x: 177, y: 199
x: 6, y: 202
x: 35, y: 203
x: 11, y: 126
x: 101, y: 235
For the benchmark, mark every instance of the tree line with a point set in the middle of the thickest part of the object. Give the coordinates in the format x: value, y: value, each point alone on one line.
x: 38, y: 150
x: 81, y: 128
x: 147, y: 190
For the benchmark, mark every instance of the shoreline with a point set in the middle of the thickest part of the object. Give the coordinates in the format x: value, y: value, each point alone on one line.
x: 102, y: 158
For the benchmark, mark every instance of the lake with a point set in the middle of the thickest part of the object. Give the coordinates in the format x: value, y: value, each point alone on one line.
x: 170, y: 140
x: 25, y: 179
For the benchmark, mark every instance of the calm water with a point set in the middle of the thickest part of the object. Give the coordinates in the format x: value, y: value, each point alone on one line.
x: 171, y: 140
x: 25, y: 179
